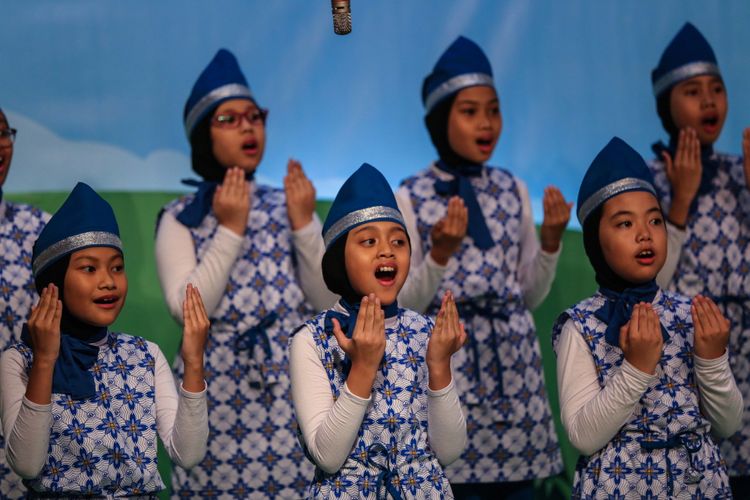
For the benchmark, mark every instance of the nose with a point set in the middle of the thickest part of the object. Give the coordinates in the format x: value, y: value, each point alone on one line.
x: 644, y: 234
x: 107, y: 281
x: 385, y: 249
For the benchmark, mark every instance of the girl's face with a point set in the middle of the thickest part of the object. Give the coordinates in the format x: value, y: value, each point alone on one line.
x: 376, y: 257
x: 474, y: 123
x: 700, y: 103
x: 95, y: 285
x: 238, y: 134
x: 633, y: 236
x: 6, y: 150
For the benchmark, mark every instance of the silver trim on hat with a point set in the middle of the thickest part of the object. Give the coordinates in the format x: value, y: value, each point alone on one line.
x: 358, y: 217
x: 456, y: 83
x: 72, y: 243
x: 610, y: 190
x: 683, y: 73
x: 229, y: 90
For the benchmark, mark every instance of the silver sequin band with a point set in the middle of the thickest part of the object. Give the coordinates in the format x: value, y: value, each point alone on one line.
x: 73, y: 243
x: 610, y: 190
x: 359, y: 217
x: 683, y: 73
x: 456, y: 83
x: 229, y: 90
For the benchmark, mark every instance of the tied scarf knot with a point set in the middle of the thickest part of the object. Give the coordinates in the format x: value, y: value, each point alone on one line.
x: 387, y: 477
x: 461, y: 185
x: 618, y: 308
x: 71, y: 374
x: 258, y: 336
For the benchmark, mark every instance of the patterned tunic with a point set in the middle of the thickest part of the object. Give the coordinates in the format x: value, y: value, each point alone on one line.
x: 105, y: 445
x: 715, y: 262
x: 253, y: 451
x: 391, y: 452
x: 665, y: 450
x: 499, y: 373
x: 20, y: 226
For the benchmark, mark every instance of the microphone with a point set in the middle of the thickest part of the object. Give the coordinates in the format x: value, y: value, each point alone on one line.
x: 342, y: 16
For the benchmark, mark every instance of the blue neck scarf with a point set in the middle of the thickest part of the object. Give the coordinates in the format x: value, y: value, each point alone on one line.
x: 349, y: 319
x: 710, y: 165
x: 618, y: 307
x: 195, y: 211
x: 461, y: 185
x: 72, y: 373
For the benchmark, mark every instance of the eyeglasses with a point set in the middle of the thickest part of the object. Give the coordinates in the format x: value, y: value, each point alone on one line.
x: 233, y: 119
x: 8, y: 135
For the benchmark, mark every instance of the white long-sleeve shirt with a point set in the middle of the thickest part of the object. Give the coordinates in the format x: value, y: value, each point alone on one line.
x: 177, y: 266
x: 181, y: 420
x: 592, y: 416
x: 536, y: 270
x: 675, y: 239
x: 330, y: 427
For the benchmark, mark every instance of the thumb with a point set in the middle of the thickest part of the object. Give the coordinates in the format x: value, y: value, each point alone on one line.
x: 344, y: 342
x: 667, y: 162
x: 625, y: 336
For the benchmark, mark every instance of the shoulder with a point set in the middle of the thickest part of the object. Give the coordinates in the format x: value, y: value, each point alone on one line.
x: 417, y: 176
x: 178, y: 204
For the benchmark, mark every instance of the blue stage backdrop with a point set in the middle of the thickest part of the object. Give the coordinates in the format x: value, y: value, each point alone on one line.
x: 96, y: 88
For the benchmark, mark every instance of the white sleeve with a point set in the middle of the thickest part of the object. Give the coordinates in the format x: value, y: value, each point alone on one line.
x: 536, y: 270
x: 26, y: 425
x: 181, y: 421
x: 446, y: 426
x: 329, y: 428
x: 425, y: 275
x: 721, y: 399
x: 177, y: 264
x: 675, y: 239
x: 309, y: 250
x: 592, y: 416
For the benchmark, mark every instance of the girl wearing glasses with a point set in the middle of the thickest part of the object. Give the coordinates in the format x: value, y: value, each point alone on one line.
x: 20, y: 225
x: 240, y: 243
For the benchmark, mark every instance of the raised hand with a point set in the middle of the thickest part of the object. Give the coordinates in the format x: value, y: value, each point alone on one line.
x: 684, y: 174
x: 711, y: 328
x: 641, y: 340
x: 44, y: 326
x: 556, y: 218
x: 194, y: 337
x: 746, y: 154
x: 446, y: 339
x: 231, y: 202
x: 300, y: 195
x: 366, y: 347
x: 449, y: 231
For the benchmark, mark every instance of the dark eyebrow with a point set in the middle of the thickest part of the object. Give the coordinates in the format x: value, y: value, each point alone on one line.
x: 630, y: 212
x: 472, y: 101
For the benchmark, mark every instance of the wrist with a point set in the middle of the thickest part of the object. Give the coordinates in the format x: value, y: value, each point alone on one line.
x: 709, y: 352
x: 440, y: 258
x: 44, y: 362
x: 299, y: 222
x: 439, y: 374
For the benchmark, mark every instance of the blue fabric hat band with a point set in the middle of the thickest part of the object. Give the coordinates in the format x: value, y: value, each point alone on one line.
x: 610, y: 190
x: 455, y: 84
x: 73, y: 243
x: 683, y: 73
x: 228, y: 91
x: 359, y: 217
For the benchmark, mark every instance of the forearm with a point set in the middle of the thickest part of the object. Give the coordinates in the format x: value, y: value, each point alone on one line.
x: 27, y: 444
x: 39, y: 386
x: 720, y: 398
x: 446, y: 426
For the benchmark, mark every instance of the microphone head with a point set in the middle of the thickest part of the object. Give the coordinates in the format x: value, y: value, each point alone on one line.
x: 342, y: 16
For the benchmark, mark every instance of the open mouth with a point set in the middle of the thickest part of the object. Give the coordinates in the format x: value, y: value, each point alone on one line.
x: 108, y: 301
x: 250, y: 147
x: 645, y: 256
x: 710, y: 122
x: 386, y: 275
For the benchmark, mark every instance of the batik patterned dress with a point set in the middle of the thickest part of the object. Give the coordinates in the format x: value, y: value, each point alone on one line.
x: 498, y: 374
x: 20, y: 225
x: 715, y: 262
x: 665, y: 450
x: 105, y: 445
x: 253, y: 451
x: 391, y: 454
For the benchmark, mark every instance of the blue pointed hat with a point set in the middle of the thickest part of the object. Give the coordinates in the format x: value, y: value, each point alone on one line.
x: 220, y: 81
x: 687, y: 55
x: 462, y: 65
x: 617, y: 168
x: 365, y: 197
x: 84, y: 220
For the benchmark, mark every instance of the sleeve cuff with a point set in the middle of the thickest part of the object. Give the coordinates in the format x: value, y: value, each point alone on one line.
x: 430, y: 262
x: 311, y: 229
x: 47, y: 408
x: 354, y: 398
x: 228, y: 236
x: 635, y: 375
x: 551, y: 256
x: 194, y: 395
x: 708, y: 364
x: 441, y: 392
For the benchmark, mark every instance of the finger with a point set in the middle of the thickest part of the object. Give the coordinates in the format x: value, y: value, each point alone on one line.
x: 721, y: 320
x: 57, y: 315
x: 361, y: 315
x: 635, y: 321
x: 344, y: 342
x: 625, y: 337
x: 440, y: 319
x: 698, y: 329
x: 668, y: 164
x: 201, y: 305
x: 36, y: 310
x: 48, y: 311
x: 463, y: 337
